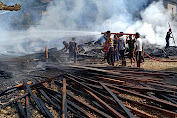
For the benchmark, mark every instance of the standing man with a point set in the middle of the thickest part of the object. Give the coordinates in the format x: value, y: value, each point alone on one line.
x: 168, y: 37
x: 121, y: 46
x: 138, y: 49
x: 131, y: 49
x: 110, y: 48
x: 116, y: 53
x: 73, y: 50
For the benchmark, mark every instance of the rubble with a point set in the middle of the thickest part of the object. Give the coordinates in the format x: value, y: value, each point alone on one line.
x: 88, y: 92
x: 15, y: 7
x: 91, y: 90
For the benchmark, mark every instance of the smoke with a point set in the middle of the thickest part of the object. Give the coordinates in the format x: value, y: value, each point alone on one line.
x: 94, y: 15
x: 150, y: 20
x: 85, y: 19
x: 154, y: 24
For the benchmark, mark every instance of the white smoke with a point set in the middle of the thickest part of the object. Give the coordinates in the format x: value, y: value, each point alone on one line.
x: 154, y: 24
x: 88, y: 18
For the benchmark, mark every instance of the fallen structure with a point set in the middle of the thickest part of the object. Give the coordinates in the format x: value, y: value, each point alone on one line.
x: 92, y: 91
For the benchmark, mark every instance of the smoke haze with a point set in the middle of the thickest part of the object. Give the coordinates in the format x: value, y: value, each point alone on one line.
x: 67, y: 18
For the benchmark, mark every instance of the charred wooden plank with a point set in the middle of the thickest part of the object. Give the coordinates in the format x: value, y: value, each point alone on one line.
x: 12, y: 101
x: 49, y: 114
x: 173, y: 96
x: 163, y: 86
x: 128, y: 113
x: 51, y: 93
x: 64, y: 100
x: 139, y: 112
x: 91, y: 107
x: 49, y: 100
x: 59, y: 101
x: 28, y: 114
x: 80, y: 110
x: 106, y: 106
x: 9, y: 90
x: 116, y: 81
x: 36, y: 100
x: 162, y: 102
x: 143, y: 73
x: 167, y: 112
x: 84, y: 79
x: 56, y: 77
x: 169, y: 99
x: 99, y: 106
x: 144, y: 89
x: 97, y: 70
x: 95, y: 92
x: 20, y: 107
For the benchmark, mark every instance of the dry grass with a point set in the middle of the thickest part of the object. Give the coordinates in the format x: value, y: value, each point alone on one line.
x: 155, y: 65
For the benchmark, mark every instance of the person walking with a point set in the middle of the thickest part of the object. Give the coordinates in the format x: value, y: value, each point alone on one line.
x: 138, y: 49
x: 73, y: 50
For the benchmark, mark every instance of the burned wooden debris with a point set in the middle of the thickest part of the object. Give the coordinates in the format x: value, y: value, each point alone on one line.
x: 15, y: 7
x: 95, y: 92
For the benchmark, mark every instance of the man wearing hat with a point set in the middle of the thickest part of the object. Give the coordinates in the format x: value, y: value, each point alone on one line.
x: 138, y: 49
x: 73, y: 50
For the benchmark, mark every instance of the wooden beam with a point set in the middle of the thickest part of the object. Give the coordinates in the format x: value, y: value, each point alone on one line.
x: 64, y: 100
x: 140, y: 112
x: 106, y: 106
x: 128, y: 113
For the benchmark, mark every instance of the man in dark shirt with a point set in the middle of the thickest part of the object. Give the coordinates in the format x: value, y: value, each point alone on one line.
x: 65, y: 46
x: 73, y: 50
x: 131, y: 43
x: 168, y: 37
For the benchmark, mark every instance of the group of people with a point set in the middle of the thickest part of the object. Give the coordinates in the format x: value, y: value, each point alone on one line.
x: 116, y: 47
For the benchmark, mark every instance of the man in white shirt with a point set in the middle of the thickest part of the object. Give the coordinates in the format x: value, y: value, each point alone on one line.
x: 121, y: 46
x: 138, y: 49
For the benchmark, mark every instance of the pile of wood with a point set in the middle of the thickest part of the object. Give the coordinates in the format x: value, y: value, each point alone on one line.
x: 94, y: 91
x: 15, y: 7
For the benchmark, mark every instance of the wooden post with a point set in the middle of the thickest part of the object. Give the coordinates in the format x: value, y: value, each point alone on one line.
x: 64, y: 102
x: 46, y: 51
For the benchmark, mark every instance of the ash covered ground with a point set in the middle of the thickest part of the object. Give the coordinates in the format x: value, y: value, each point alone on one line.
x: 15, y: 70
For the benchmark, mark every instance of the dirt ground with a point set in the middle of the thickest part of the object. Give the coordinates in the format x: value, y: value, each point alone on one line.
x: 152, y: 65
x: 155, y: 65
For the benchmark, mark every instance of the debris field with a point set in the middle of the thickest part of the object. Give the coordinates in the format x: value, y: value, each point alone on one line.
x: 92, y: 91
